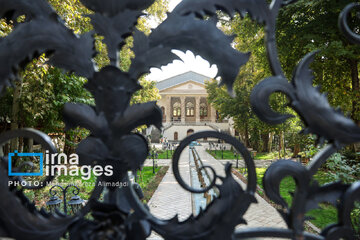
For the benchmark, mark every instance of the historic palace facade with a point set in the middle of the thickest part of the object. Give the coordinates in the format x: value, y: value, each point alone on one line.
x: 185, y: 107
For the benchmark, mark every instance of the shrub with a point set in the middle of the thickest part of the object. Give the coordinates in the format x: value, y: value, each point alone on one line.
x: 341, y: 169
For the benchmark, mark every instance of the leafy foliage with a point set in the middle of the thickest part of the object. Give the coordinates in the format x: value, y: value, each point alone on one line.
x: 302, y: 26
x: 254, y: 132
x: 340, y: 168
x: 312, y: 25
x: 45, y: 89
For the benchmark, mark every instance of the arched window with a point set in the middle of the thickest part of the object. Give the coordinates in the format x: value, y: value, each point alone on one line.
x: 203, y: 110
x: 189, y: 132
x: 190, y: 109
x: 176, y: 109
x: 176, y: 136
x: 163, y: 112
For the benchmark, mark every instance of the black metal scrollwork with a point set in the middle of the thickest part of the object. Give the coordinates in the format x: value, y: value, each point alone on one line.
x: 112, y: 142
x: 39, y: 137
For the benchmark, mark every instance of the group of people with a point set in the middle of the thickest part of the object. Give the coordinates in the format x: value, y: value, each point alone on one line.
x: 164, y: 140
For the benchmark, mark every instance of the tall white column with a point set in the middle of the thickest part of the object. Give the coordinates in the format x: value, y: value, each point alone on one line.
x: 168, y: 112
x: 182, y: 99
x: 197, y: 109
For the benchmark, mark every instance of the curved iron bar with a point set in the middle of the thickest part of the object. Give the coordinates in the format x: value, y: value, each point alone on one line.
x: 45, y: 141
x: 343, y: 23
x: 229, y: 204
x: 251, y: 187
x: 53, y: 192
x: 272, y: 232
x: 23, y: 165
x: 95, y: 194
x: 39, y: 137
x: 321, y: 158
x: 270, y: 39
x: 75, y: 192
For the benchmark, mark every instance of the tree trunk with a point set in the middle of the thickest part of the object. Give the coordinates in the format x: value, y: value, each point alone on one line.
x: 296, y: 150
x: 271, y: 136
x: 14, y: 145
x: 355, y: 84
x: 355, y: 88
x: 246, y: 136
x: 7, y: 148
x: 67, y: 145
x: 280, y: 143
x: 30, y: 144
x: 21, y: 145
x: 265, y: 141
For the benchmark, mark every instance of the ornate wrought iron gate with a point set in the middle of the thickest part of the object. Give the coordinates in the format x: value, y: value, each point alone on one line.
x: 121, y: 215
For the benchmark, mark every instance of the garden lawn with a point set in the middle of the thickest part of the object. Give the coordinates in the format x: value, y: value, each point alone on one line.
x: 151, y: 183
x: 228, y: 154
x: 270, y: 156
x: 146, y: 175
x: 163, y: 155
x: 321, y: 217
x: 225, y: 154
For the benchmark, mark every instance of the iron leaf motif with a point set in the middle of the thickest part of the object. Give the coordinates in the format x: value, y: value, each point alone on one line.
x: 27, y: 41
x: 19, y: 217
x: 191, y: 32
x: 258, y: 9
x: 321, y: 117
x: 148, y: 55
x: 11, y: 10
x: 111, y: 8
x: 308, y: 102
x: 115, y: 30
x: 224, y: 212
x: 81, y: 115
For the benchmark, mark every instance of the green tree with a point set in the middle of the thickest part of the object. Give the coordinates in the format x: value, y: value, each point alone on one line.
x: 38, y: 98
x: 305, y: 26
x: 253, y: 132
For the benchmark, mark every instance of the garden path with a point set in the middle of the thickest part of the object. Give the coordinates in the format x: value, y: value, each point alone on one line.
x: 170, y: 199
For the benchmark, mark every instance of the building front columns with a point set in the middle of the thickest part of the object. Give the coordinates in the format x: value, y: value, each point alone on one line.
x: 197, y: 109
x: 168, y: 111
x: 182, y: 101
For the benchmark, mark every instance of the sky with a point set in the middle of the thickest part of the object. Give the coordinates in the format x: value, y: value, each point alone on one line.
x: 189, y: 62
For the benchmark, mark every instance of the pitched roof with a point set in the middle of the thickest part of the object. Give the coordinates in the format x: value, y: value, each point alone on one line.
x: 181, y: 78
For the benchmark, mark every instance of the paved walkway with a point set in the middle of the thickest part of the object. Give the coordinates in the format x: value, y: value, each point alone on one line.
x: 170, y: 199
x: 160, y: 162
x: 261, y: 214
x: 258, y: 163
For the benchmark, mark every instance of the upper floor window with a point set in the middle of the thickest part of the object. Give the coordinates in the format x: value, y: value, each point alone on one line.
x: 176, y: 109
x: 203, y: 110
x: 190, y: 109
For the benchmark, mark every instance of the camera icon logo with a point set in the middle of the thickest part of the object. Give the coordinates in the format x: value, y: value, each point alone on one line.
x: 16, y: 153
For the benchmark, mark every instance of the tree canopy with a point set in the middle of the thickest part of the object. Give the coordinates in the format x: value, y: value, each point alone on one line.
x: 39, y: 96
x: 302, y: 27
x: 306, y: 26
